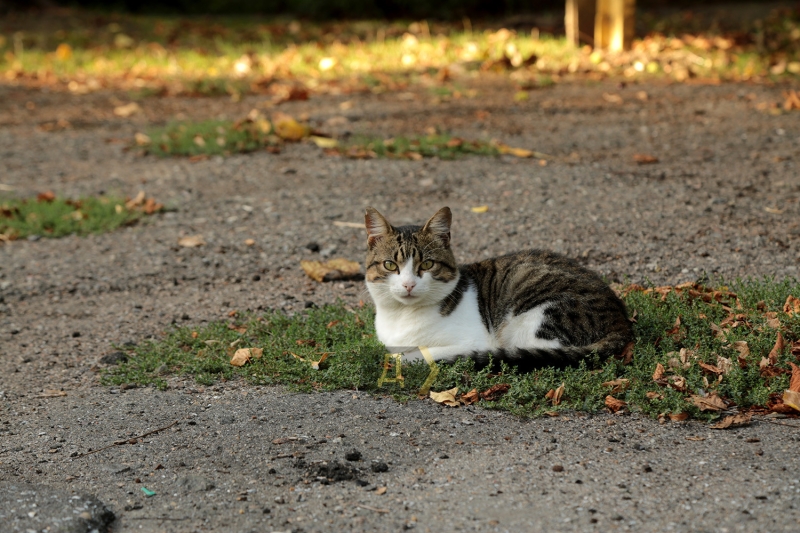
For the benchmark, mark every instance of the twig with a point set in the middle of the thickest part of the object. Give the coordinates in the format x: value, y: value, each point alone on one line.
x: 341, y: 224
x: 154, y: 518
x: 126, y: 441
x: 372, y: 508
x: 781, y: 423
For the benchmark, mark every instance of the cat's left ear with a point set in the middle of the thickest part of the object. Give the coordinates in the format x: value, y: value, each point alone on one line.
x: 377, y: 226
x: 439, y: 225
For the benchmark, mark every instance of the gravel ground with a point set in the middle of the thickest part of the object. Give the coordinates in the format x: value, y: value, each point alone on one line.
x: 722, y: 200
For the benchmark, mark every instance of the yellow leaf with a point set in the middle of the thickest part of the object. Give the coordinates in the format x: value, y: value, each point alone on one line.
x: 127, y: 110
x: 480, y: 209
x: 333, y: 270
x: 63, y: 52
x: 191, y: 241
x: 521, y: 96
x: 287, y: 128
x: 243, y: 355
x: 324, y: 142
x: 142, y: 139
x: 516, y: 152
x: 447, y: 397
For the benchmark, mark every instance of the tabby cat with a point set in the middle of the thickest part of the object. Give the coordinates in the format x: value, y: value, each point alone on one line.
x: 532, y: 308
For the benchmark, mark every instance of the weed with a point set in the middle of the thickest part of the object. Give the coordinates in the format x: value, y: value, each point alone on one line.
x: 48, y: 216
x: 440, y: 145
x: 211, y: 137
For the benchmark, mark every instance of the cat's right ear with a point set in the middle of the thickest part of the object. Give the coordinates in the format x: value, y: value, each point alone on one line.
x: 377, y: 226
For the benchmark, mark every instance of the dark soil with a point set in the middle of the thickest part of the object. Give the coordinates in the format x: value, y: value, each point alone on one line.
x: 721, y: 201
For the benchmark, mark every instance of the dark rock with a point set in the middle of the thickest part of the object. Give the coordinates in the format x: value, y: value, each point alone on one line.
x: 379, y: 466
x: 558, y: 468
x: 113, y: 358
x: 195, y: 484
x: 313, y: 246
x: 353, y: 455
x: 76, y: 334
x: 333, y: 471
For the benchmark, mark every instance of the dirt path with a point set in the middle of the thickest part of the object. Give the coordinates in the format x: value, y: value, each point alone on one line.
x: 722, y: 200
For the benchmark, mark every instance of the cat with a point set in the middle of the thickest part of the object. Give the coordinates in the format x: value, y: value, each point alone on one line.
x: 532, y: 308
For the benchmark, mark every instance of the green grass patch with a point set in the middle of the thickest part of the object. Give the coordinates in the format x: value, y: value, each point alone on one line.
x: 48, y: 216
x: 210, y: 137
x: 442, y: 146
x: 710, y: 325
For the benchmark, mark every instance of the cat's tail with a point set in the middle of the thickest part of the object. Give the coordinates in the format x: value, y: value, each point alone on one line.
x: 612, y: 345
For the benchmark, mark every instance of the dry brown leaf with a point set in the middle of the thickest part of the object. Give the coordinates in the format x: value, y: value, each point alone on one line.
x: 652, y: 395
x: 127, y: 110
x: 516, y: 152
x: 712, y: 402
x: 243, y: 355
x: 709, y: 369
x: 614, y: 404
x: 380, y: 491
x: 744, y: 351
x: 617, y: 385
x: 733, y: 421
x: 724, y: 364
x: 191, y: 241
x: 495, y: 391
x: 792, y: 305
x: 627, y: 354
x: 333, y: 270
x: 645, y: 159
x: 777, y: 349
x: 447, y: 397
x: 51, y: 393
x: 470, y: 397
x: 659, y: 372
x: 554, y: 395
x: 47, y: 196
x: 685, y: 355
x: 794, y: 381
x: 678, y: 417
x: 772, y: 320
x: 674, y: 331
x: 792, y: 399
x: 315, y: 364
x: 678, y: 383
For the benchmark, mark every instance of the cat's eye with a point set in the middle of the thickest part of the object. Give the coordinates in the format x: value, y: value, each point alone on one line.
x: 426, y: 265
x: 390, y: 265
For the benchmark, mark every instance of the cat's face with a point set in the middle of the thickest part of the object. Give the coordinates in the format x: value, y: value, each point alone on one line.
x: 410, y: 265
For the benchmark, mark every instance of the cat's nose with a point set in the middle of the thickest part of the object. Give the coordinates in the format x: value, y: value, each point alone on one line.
x: 409, y: 285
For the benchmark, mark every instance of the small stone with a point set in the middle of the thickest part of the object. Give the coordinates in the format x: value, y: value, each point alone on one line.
x: 444, y: 456
x: 279, y: 500
x: 309, y: 305
x: 379, y: 466
x: 256, y: 277
x: 76, y: 334
x: 353, y: 455
x: 558, y: 468
x: 185, y: 316
x: 313, y: 246
x: 34, y: 238
x: 113, y: 358
x: 647, y: 468
x: 266, y: 510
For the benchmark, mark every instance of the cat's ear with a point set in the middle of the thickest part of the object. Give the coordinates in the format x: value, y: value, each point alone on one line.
x: 439, y: 225
x: 377, y: 226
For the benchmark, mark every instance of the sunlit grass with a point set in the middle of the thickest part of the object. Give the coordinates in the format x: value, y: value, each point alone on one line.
x: 236, y: 56
x: 211, y: 137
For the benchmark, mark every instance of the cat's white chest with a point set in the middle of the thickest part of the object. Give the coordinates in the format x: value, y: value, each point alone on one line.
x: 425, y: 326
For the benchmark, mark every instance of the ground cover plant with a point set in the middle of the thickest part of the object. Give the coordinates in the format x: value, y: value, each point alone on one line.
x: 83, y: 52
x: 699, y: 352
x: 50, y: 216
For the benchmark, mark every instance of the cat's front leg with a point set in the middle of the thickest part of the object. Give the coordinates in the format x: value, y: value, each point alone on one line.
x: 440, y: 354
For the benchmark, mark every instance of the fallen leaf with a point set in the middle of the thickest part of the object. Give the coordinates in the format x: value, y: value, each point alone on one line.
x: 709, y: 369
x: 324, y: 142
x: 791, y: 306
x: 63, y: 52
x: 733, y: 421
x: 614, y: 404
x: 333, y: 270
x: 792, y: 399
x: 794, y: 381
x: 652, y: 395
x: 332, y: 323
x: 141, y: 139
x: 470, y: 397
x: 772, y: 320
x: 674, y: 331
x: 612, y: 98
x: 712, y: 402
x: 678, y: 417
x: 238, y: 329
x: 287, y: 128
x: 617, y: 385
x: 380, y: 491
x: 243, y: 355
x: 191, y: 241
x: 516, y: 152
x: 127, y: 110
x: 659, y: 372
x: 315, y: 364
x: 645, y: 159
x: 51, y: 393
x: 724, y: 364
x: 678, y: 383
x: 776, y: 350
x: 627, y: 354
x: 47, y: 196
x: 696, y: 439
x: 744, y: 351
x: 554, y: 395
x: 447, y: 397
x: 480, y: 209
x: 495, y: 391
